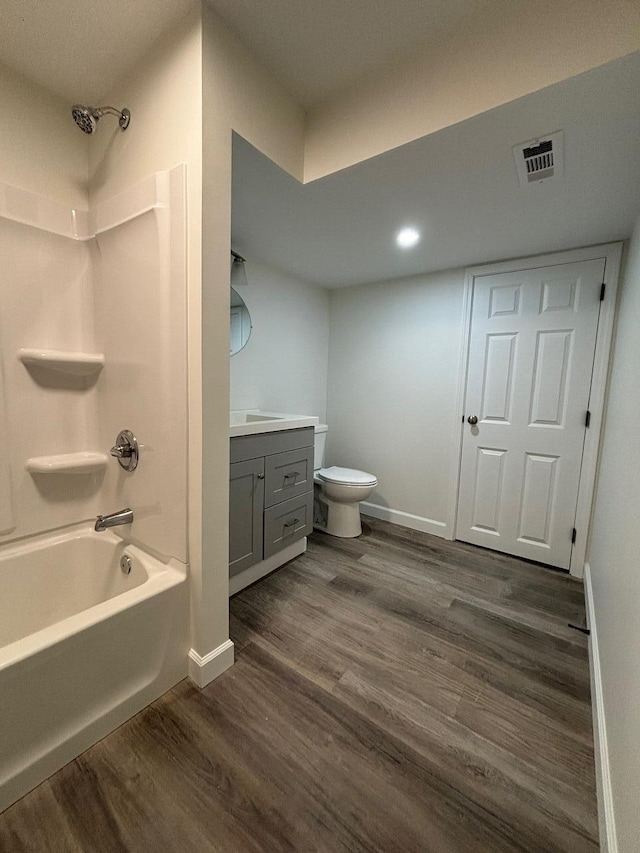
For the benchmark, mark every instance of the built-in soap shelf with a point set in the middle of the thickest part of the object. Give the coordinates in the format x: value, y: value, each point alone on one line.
x: 70, y: 363
x: 67, y: 463
x: 63, y: 361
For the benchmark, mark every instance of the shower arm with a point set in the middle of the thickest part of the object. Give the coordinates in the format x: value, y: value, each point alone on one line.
x: 101, y: 111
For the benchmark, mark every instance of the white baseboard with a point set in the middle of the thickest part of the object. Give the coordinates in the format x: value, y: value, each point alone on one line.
x: 203, y: 670
x: 405, y: 519
x: 606, y: 817
x: 265, y: 567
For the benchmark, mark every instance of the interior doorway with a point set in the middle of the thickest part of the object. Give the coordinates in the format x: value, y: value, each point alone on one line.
x: 539, y: 335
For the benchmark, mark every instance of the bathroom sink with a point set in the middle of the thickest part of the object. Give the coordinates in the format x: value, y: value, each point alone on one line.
x: 254, y: 418
x: 253, y: 421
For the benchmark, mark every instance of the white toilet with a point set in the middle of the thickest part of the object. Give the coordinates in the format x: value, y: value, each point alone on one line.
x: 337, y: 493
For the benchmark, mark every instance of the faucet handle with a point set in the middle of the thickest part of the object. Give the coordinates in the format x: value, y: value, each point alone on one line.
x: 126, y: 450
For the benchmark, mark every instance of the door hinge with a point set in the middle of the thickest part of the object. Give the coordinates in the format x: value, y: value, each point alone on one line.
x: 574, y: 534
x: 603, y: 287
x: 587, y: 418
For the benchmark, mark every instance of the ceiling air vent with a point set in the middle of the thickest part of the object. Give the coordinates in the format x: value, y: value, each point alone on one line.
x: 539, y: 159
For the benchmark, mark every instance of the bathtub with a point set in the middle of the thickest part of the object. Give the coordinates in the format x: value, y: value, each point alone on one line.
x: 83, y: 646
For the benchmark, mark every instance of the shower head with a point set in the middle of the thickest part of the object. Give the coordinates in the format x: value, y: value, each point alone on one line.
x: 84, y: 119
x: 87, y: 117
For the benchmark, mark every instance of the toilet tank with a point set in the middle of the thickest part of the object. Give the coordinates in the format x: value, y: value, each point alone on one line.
x: 320, y: 440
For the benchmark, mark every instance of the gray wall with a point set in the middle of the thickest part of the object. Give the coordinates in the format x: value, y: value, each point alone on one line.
x: 283, y: 368
x: 393, y: 370
x: 614, y: 559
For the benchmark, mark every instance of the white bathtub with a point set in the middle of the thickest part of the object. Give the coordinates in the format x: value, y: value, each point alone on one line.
x: 83, y: 646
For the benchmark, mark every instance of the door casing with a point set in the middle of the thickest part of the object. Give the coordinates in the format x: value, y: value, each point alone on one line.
x: 612, y: 254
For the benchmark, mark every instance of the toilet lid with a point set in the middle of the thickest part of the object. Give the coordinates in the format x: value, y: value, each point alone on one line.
x: 347, y: 476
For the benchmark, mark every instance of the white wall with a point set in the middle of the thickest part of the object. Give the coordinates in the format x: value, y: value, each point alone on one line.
x: 164, y: 93
x: 238, y: 94
x: 393, y: 370
x: 41, y: 149
x: 494, y: 56
x: 283, y: 367
x: 614, y: 559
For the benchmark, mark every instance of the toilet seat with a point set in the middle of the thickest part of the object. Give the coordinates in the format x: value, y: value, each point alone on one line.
x: 346, y: 476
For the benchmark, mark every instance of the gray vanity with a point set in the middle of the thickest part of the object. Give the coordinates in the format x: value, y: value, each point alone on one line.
x: 270, y: 493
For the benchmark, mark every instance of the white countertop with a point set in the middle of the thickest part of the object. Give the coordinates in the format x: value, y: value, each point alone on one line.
x: 255, y: 421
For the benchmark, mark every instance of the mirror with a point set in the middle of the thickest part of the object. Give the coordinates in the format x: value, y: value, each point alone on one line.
x: 240, y: 323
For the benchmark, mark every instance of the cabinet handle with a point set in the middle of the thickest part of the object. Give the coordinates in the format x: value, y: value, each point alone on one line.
x: 261, y: 476
x: 291, y: 523
x: 294, y: 474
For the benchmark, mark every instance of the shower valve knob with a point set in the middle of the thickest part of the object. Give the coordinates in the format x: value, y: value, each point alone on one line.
x: 126, y: 450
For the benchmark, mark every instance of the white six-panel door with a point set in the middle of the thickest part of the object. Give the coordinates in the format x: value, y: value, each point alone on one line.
x: 531, y: 352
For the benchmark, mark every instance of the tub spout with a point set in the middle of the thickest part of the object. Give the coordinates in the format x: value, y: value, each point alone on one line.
x: 123, y: 516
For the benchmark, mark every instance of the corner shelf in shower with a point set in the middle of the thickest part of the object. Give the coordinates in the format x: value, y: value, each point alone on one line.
x: 63, y: 361
x: 67, y: 463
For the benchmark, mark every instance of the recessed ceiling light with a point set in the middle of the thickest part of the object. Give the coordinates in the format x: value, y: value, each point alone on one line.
x: 407, y: 238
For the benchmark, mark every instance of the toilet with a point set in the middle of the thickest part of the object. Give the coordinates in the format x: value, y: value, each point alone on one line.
x: 337, y: 493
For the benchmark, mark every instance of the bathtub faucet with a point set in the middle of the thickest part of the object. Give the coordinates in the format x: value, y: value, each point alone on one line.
x: 124, y: 516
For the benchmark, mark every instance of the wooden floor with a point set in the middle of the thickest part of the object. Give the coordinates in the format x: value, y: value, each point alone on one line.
x: 393, y: 692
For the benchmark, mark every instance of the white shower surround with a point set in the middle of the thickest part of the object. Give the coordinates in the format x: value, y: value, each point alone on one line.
x: 82, y: 648
x: 110, y: 280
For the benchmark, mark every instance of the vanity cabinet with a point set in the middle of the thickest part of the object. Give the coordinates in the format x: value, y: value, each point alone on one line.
x: 270, y: 495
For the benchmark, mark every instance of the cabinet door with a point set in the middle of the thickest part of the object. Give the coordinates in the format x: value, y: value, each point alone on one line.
x: 246, y: 502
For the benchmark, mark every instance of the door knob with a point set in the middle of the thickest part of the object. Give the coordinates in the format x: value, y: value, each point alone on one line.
x: 472, y: 419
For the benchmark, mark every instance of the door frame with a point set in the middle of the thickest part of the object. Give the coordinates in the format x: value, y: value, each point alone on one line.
x: 611, y: 253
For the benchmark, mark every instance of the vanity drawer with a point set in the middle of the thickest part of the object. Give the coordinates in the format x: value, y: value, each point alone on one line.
x: 287, y: 522
x: 288, y: 475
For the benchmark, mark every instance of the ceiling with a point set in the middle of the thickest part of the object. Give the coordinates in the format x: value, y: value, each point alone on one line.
x: 79, y: 49
x: 318, y: 47
x: 458, y: 186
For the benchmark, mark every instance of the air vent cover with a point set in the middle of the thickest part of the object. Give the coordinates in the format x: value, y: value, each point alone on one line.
x: 540, y: 159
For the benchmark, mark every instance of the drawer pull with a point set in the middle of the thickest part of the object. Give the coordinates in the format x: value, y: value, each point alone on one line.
x: 293, y: 475
x: 291, y: 523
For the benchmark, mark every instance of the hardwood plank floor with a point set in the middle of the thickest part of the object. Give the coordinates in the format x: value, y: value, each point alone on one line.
x: 393, y: 692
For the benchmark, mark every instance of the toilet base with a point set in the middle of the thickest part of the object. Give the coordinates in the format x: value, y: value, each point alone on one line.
x: 336, y: 519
